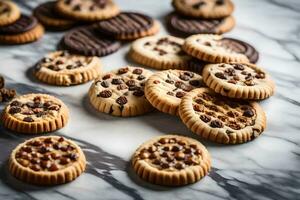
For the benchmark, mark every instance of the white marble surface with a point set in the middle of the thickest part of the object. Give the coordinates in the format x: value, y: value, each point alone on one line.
x: 267, y: 168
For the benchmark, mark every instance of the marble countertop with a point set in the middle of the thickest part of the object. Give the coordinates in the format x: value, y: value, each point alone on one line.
x: 266, y: 168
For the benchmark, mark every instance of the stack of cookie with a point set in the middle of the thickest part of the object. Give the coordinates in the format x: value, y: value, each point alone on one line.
x: 201, y: 17
x: 17, y: 28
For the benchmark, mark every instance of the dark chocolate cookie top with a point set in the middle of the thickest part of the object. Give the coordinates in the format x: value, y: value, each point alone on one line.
x: 125, y: 22
x: 239, y: 46
x: 86, y: 41
x: 23, y: 24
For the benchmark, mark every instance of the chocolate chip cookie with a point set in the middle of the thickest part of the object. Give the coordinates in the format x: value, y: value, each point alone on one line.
x: 208, y: 9
x: 165, y: 89
x: 46, y: 14
x: 238, y: 80
x: 26, y: 29
x: 87, y: 10
x: 9, y: 13
x: 213, y: 48
x: 35, y: 113
x: 185, y: 26
x: 171, y: 160
x: 48, y: 160
x: 128, y: 26
x: 221, y: 119
x: 63, y: 68
x: 121, y: 92
x: 160, y: 52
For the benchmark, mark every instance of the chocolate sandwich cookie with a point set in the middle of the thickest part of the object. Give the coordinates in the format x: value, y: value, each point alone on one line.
x: 47, y: 15
x: 239, y: 80
x: 9, y: 12
x: 160, y: 52
x: 63, y: 68
x: 88, y: 42
x: 186, y: 26
x: 35, y: 113
x: 171, y: 160
x: 165, y: 89
x: 48, y: 160
x: 221, y: 119
x: 128, y: 26
x: 121, y: 92
x: 216, y: 49
x: 87, y: 10
x: 25, y: 29
x: 208, y: 9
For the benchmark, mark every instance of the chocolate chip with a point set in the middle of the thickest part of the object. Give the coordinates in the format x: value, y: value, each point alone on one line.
x: 220, y: 75
x: 35, y: 161
x: 45, y: 164
x: 141, y: 77
x: 77, y: 7
x: 186, y: 88
x: 180, y: 94
x: 238, y: 67
x: 122, y: 100
x: 123, y: 70
x: 130, y: 83
x: 105, y: 94
x: 170, y: 93
x: 73, y: 156
x: 216, y: 124
x: 122, y: 87
x: 205, y: 118
x: 195, y: 83
x: 35, y: 167
x: 64, y: 160
x: 199, y: 5
x: 179, y: 155
x: 61, y: 139
x: 156, y: 162
x: 169, y: 81
x: 16, y: 103
x: 260, y: 75
x: 179, y: 165
x: 176, y: 148
x: 28, y: 119
x: 179, y: 84
x: 152, y: 149
x: 36, y: 143
x: 107, y: 76
x: 219, y: 2
x: 27, y: 149
x: 53, y: 167
x: 54, y: 107
x: 14, y: 110
x: 184, y: 77
x: 248, y: 113
x: 163, y: 140
x: 164, y: 154
x: 249, y: 82
x: 138, y: 93
x: 105, y: 84
x: 44, y: 149
x: 55, y: 155
x: 165, y: 165
x: 137, y: 71
x: 116, y: 81
x: 230, y: 71
x: 156, y: 81
x: 48, y: 140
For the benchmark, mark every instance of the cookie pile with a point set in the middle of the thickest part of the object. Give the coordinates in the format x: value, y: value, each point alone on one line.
x: 201, y: 17
x: 17, y: 28
x: 6, y: 94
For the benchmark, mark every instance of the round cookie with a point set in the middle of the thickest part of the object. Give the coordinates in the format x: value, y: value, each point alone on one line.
x: 25, y: 29
x: 35, y: 113
x: 208, y: 9
x: 48, y: 160
x: 220, y: 119
x: 86, y: 41
x: 165, y: 89
x: 128, y: 26
x: 238, y: 80
x: 9, y: 12
x: 63, y: 68
x: 212, y: 48
x: 171, y: 160
x: 87, y: 10
x: 160, y: 52
x: 186, y: 26
x: 47, y: 15
x: 121, y: 92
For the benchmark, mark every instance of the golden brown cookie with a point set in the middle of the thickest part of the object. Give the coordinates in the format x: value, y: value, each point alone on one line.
x: 207, y: 9
x: 121, y: 92
x: 9, y: 12
x: 171, y: 160
x: 160, y: 52
x: 63, y: 68
x: 213, y: 48
x: 26, y: 29
x: 87, y: 10
x: 35, y: 113
x: 165, y: 89
x: 47, y: 15
x: 238, y: 80
x: 47, y: 160
x: 221, y: 119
